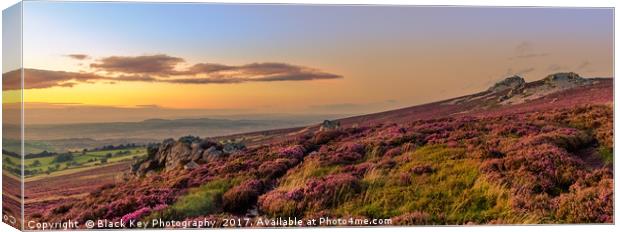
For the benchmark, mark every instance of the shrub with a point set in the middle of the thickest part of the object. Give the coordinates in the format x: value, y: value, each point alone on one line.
x: 62, y: 209
x: 393, y: 152
x: 318, y: 193
x: 422, y: 169
x: 120, y: 207
x: 204, y: 200
x: 295, y: 151
x: 337, y: 158
x: 135, y: 215
x: 277, y: 204
x: 590, y: 199
x: 64, y: 157
x: 330, y: 190
x: 240, y: 198
x: 606, y: 154
x: 272, y: 169
x: 323, y: 137
x: 351, y: 147
x: 189, y: 139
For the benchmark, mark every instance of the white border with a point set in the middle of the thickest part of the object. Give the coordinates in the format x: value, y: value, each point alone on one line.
x: 556, y: 3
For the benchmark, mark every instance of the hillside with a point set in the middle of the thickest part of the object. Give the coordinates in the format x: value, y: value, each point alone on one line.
x: 518, y: 153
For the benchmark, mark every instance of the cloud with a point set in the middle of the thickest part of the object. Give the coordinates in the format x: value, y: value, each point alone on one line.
x: 299, y: 76
x: 38, y: 79
x: 162, y: 69
x: 584, y: 65
x: 207, y: 68
x: 269, y: 71
x: 524, y: 71
x: 78, y: 56
x: 151, y: 106
x: 525, y: 50
x: 142, y: 78
x: 295, y: 76
x: 523, y: 46
x: 166, y: 66
x: 266, y: 68
x: 531, y: 55
x: 269, y: 68
x: 160, y: 65
x: 556, y: 67
x: 519, y: 72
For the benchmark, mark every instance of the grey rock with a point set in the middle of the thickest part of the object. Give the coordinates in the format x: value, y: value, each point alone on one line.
x: 211, y: 153
x: 191, y: 165
x: 232, y: 147
x: 566, y: 79
x: 513, y: 82
x: 329, y: 125
x: 178, y: 155
x: 187, y: 153
x: 252, y: 212
x: 196, y: 153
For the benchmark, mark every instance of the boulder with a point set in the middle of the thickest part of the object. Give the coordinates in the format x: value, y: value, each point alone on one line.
x: 566, y: 76
x: 233, y: 147
x: 329, y: 125
x: 188, y: 152
x: 513, y: 82
x: 211, y: 153
x: 196, y: 153
x: 565, y: 79
x: 178, y: 155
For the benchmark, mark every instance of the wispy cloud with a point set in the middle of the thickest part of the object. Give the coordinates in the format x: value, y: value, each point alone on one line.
x: 531, y: 55
x: 520, y: 72
x: 269, y: 71
x: 556, y: 67
x: 78, y: 56
x: 160, y: 65
x: 38, y: 79
x: 525, y: 50
x: 163, y: 68
x: 525, y: 71
x: 584, y: 65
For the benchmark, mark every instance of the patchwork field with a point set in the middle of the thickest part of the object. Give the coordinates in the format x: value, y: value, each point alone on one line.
x: 45, y: 164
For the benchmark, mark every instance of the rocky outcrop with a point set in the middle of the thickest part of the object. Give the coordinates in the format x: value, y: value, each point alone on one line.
x: 513, y: 82
x: 187, y: 152
x: 521, y: 92
x: 329, y: 125
x: 567, y: 79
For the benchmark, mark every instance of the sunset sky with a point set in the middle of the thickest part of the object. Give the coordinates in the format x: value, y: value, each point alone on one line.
x: 296, y: 58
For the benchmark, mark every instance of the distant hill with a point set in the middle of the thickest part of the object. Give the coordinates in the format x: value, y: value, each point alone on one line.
x: 158, y: 129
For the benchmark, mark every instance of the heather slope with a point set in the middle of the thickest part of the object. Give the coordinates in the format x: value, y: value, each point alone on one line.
x: 476, y: 159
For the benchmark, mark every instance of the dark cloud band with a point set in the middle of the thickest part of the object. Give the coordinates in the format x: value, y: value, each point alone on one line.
x: 162, y: 68
x: 160, y: 65
x: 78, y: 56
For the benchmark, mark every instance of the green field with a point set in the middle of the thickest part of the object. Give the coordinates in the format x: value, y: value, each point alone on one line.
x: 34, y: 167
